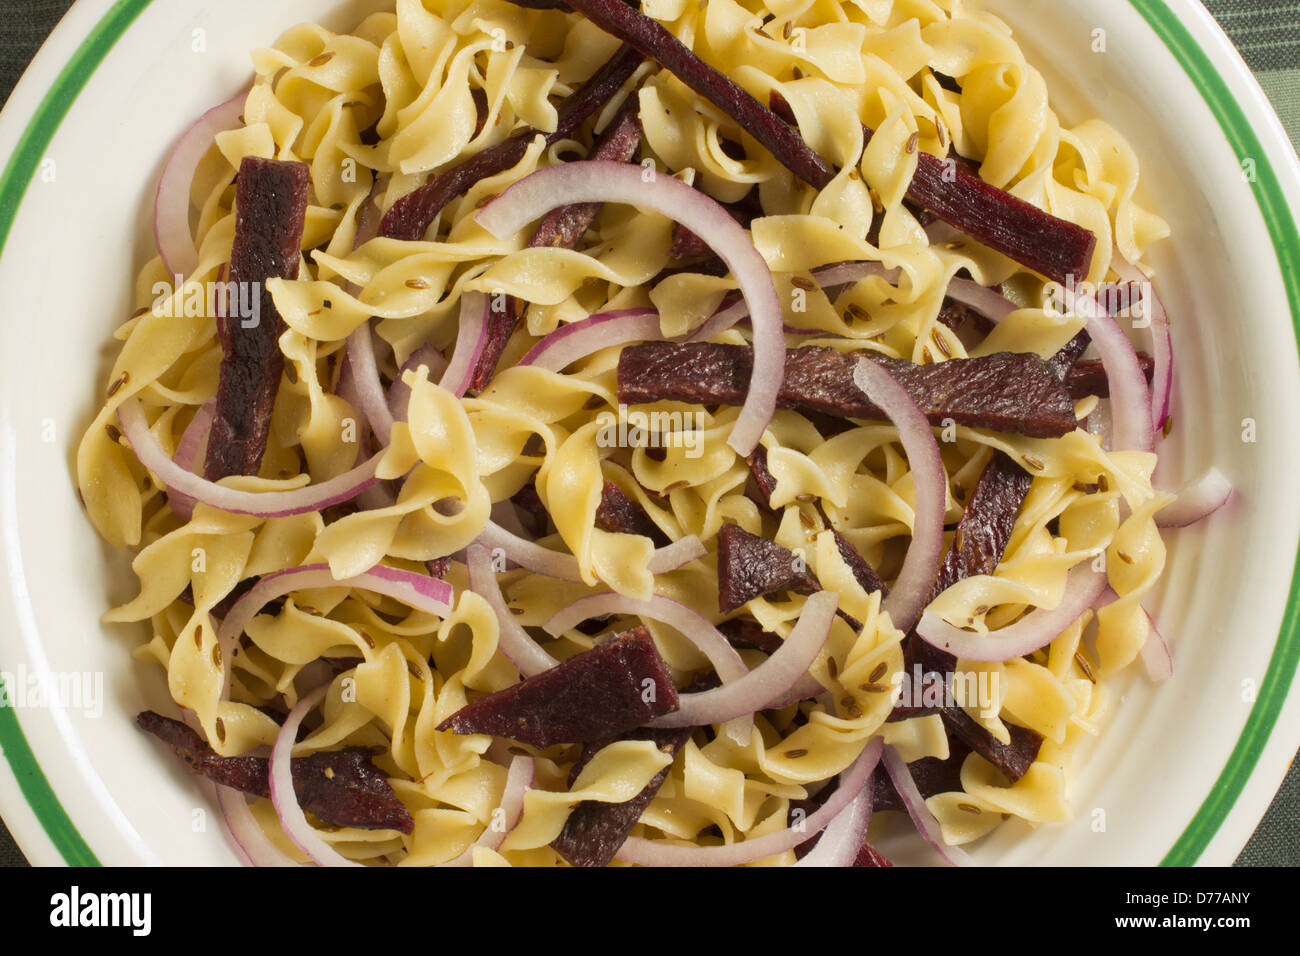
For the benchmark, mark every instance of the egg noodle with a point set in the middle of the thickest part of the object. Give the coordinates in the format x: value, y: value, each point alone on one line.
x: 409, y: 74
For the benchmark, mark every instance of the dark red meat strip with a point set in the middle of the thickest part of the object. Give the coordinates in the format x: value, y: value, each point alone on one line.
x: 342, y: 787
x: 763, y: 477
x: 561, y: 228
x: 410, y: 217
x: 862, y: 570
x: 743, y: 632
x: 952, y: 190
x: 594, y: 831
x: 687, y: 245
x: 620, y: 514
x: 1009, y: 392
x: 1012, y: 759
x: 651, y: 38
x: 749, y: 566
x: 931, y: 775
x: 270, y: 214
x: 870, y: 856
x: 608, y: 690
x: 1052, y: 247
x: 1089, y: 377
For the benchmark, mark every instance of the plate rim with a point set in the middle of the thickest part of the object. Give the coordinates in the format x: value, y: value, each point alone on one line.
x: 48, y: 835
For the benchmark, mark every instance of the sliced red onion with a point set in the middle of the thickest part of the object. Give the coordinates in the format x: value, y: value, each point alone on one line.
x: 417, y: 590
x: 1162, y: 343
x: 1083, y: 586
x: 842, y: 839
x: 605, y: 330
x: 805, y: 688
x: 987, y: 302
x: 828, y: 278
x: 1200, y: 499
x: 260, y: 504
x: 852, y: 781
x: 925, y: 822
x: 557, y: 564
x: 1157, y: 658
x: 371, y: 400
x: 171, y: 214
x: 690, y: 623
x: 512, y: 640
x: 609, y: 182
x: 470, y: 342
x: 1130, y: 398
x: 251, y: 843
x: 520, y: 776
x: 192, y: 442
x: 911, y: 591
x: 292, y: 820
x: 767, y: 683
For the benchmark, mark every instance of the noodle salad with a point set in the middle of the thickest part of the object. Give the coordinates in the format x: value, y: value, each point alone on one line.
x: 696, y: 434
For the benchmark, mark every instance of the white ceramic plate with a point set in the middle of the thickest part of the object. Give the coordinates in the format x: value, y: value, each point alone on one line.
x: 1184, y: 771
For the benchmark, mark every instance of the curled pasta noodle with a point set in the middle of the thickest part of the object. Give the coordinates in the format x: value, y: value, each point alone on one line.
x: 411, y: 92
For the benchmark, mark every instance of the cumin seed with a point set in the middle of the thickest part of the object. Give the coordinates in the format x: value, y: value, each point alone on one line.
x: 117, y: 386
x: 114, y: 433
x: 370, y: 641
x: 414, y: 669
x: 912, y: 142
x: 795, y: 754
x: 927, y: 357
x: 216, y: 655
x: 1084, y: 665
x: 1167, y: 426
x: 941, y: 343
x: 1103, y: 484
x: 787, y: 30
x: 799, y: 282
x: 221, y: 730
x: 416, y: 284
x: 1034, y: 463
x: 1127, y: 559
x: 832, y: 667
x: 859, y: 313
x: 875, y: 688
x: 322, y: 59
x: 969, y: 808
x: 879, y: 672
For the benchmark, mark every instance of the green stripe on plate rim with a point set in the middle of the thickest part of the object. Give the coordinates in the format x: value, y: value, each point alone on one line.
x: 17, y: 175
x: 1277, y: 217
x: 1282, y: 230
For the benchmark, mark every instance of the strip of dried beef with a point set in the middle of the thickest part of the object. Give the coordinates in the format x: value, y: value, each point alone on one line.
x: 270, y: 215
x: 750, y: 566
x: 1012, y: 392
x: 410, y: 217
x: 612, y: 688
x: 342, y: 787
x: 594, y: 831
x: 620, y: 514
x: 561, y: 229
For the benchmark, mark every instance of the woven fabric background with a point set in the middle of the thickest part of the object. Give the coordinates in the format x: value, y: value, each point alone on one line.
x: 1266, y: 31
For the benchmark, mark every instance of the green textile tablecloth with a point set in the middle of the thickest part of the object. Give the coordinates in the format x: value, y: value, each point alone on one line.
x: 1266, y: 31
